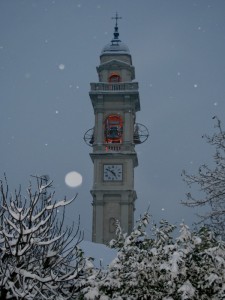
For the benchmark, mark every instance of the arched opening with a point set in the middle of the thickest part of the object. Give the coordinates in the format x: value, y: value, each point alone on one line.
x: 113, y: 129
x: 114, y: 77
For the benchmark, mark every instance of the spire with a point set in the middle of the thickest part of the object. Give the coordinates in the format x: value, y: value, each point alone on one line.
x: 116, y: 34
x: 116, y: 46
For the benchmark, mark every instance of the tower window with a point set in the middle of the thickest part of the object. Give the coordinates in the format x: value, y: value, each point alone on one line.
x: 114, y: 77
x: 113, y: 129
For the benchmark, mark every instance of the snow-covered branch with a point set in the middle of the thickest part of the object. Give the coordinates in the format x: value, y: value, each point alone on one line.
x: 39, y: 257
x: 211, y: 182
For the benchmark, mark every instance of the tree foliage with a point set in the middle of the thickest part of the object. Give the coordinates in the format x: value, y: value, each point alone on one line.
x: 39, y: 258
x: 211, y: 181
x: 159, y: 267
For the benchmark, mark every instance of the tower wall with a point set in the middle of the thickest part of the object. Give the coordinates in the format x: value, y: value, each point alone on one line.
x: 115, y: 101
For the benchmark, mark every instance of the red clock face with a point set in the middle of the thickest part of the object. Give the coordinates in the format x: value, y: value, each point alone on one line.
x: 113, y: 129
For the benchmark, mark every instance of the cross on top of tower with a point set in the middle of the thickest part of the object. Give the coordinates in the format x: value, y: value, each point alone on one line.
x: 116, y: 32
x: 116, y: 17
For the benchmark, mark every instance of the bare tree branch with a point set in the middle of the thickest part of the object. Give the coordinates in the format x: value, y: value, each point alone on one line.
x: 211, y: 182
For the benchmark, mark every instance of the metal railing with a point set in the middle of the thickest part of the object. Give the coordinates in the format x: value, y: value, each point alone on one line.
x: 113, y: 147
x: 100, y: 86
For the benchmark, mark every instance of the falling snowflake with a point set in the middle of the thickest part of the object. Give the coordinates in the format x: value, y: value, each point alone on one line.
x: 163, y: 209
x: 178, y: 74
x: 199, y: 28
x: 98, y: 6
x: 77, y: 87
x: 195, y: 85
x: 79, y: 5
x: 46, y: 144
x: 73, y: 179
x: 56, y: 111
x: 27, y: 75
x: 61, y: 67
x: 215, y: 103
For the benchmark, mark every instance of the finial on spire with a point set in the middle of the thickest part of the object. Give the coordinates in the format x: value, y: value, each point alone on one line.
x: 116, y: 32
x: 116, y: 18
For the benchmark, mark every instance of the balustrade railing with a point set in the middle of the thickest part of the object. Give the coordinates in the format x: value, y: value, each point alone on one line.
x: 113, y: 147
x: 126, y: 86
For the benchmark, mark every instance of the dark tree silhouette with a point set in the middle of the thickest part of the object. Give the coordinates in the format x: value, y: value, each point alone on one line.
x: 211, y: 181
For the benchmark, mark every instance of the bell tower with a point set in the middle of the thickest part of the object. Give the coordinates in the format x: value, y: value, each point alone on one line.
x: 115, y: 101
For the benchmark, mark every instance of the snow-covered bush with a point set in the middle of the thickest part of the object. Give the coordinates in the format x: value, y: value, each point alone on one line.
x: 40, y: 260
x: 158, y: 266
x: 38, y: 257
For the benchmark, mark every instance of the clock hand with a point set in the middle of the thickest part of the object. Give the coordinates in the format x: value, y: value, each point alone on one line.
x: 114, y: 174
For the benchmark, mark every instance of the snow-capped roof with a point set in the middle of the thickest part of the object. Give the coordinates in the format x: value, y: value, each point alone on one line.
x: 115, y: 47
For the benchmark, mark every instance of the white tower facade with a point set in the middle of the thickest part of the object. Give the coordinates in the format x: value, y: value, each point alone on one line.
x: 115, y: 101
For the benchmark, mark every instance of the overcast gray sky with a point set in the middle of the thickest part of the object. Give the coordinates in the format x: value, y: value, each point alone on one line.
x: 49, y: 51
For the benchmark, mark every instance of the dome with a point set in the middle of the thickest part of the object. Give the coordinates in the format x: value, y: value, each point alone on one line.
x: 115, y: 47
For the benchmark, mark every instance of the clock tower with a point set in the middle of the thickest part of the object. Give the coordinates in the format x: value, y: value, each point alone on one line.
x: 115, y: 101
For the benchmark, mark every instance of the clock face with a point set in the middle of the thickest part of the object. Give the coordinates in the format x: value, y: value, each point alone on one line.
x: 113, y: 173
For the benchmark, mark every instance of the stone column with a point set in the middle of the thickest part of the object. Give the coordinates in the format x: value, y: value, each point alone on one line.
x: 127, y: 121
x: 99, y: 121
x: 97, y: 227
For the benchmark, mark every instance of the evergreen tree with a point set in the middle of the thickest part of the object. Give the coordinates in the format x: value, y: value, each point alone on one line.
x: 159, y: 267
